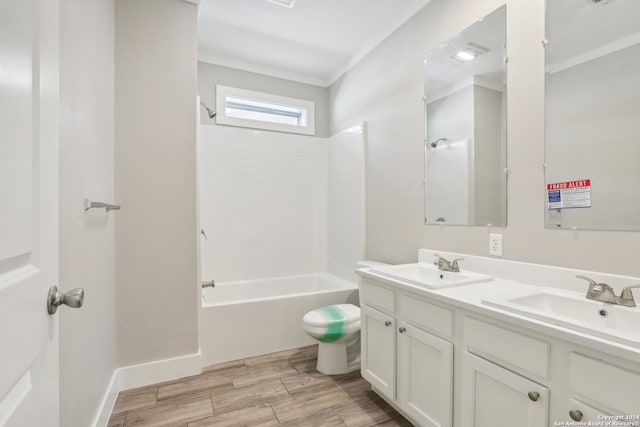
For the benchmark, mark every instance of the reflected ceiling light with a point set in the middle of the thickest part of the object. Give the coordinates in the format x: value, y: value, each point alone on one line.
x: 470, y: 52
x: 285, y: 3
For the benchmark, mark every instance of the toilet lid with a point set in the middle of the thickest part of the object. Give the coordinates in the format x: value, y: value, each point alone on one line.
x: 323, y: 316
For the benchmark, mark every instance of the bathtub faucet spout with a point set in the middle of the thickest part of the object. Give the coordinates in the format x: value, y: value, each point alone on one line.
x: 210, y: 284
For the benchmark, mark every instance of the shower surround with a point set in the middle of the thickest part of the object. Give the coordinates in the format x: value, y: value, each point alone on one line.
x: 275, y: 204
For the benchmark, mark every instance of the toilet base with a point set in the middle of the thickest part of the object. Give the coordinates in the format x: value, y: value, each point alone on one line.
x: 341, y: 358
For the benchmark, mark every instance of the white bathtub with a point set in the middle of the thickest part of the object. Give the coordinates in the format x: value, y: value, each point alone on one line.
x: 248, y: 318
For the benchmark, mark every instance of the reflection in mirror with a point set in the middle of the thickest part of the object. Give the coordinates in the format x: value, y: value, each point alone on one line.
x: 465, y: 135
x: 592, y: 114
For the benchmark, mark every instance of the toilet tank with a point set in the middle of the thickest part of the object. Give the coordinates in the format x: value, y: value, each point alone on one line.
x: 368, y: 264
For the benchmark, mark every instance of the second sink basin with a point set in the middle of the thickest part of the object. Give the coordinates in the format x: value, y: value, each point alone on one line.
x: 428, y: 275
x: 574, y: 311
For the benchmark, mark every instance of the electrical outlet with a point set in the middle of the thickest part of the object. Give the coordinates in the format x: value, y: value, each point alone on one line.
x: 495, y: 244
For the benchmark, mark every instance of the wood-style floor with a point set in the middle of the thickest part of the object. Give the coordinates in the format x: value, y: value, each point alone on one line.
x: 278, y: 389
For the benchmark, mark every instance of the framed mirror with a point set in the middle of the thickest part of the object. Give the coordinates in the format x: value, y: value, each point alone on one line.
x: 465, y: 126
x: 592, y: 114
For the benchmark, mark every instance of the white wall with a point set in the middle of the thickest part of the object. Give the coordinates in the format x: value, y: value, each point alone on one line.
x: 263, y: 203
x: 155, y: 169
x: 385, y: 89
x: 88, y: 334
x: 210, y: 75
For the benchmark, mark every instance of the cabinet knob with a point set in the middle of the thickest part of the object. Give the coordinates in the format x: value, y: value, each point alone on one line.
x: 387, y: 323
x: 575, y: 414
x: 534, y: 395
x: 402, y: 330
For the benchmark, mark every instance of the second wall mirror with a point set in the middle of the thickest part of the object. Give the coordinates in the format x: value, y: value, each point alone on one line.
x: 465, y: 126
x: 592, y: 114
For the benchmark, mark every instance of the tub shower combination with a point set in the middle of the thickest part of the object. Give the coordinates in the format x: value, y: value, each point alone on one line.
x: 287, y: 209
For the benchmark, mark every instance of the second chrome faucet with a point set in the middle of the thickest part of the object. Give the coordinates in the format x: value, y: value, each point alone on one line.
x: 605, y: 293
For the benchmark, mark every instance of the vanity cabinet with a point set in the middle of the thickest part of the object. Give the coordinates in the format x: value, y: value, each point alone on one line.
x: 506, y: 374
x: 402, y: 359
x: 493, y: 396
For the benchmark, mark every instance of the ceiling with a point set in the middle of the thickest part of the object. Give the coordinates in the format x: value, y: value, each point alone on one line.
x: 314, y: 42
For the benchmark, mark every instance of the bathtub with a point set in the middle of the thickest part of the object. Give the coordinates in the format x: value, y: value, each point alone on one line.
x: 248, y: 318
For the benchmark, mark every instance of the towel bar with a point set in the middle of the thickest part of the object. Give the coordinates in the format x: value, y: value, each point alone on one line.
x: 107, y: 206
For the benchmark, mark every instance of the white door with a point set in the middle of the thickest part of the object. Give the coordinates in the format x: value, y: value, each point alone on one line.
x: 378, y: 359
x: 28, y: 211
x: 425, y: 377
x: 493, y: 396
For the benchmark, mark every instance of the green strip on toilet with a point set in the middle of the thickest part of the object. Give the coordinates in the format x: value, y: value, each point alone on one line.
x: 335, y: 324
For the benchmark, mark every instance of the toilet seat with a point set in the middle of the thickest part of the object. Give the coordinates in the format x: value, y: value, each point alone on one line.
x: 331, y: 323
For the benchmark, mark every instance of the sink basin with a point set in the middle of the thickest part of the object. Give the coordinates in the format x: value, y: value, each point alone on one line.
x: 574, y: 311
x: 428, y: 275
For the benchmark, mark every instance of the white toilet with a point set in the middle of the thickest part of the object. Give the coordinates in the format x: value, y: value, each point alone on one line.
x: 337, y: 327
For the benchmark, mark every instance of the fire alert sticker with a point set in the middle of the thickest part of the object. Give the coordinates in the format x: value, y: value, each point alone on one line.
x: 569, y: 194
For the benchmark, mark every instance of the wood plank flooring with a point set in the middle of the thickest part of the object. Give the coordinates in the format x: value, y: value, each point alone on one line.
x: 279, y: 389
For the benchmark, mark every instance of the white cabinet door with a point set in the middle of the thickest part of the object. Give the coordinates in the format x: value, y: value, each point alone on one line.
x: 378, y: 361
x: 425, y: 376
x: 28, y: 212
x: 493, y: 396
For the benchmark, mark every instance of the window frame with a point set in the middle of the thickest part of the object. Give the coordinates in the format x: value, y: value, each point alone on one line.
x: 222, y: 92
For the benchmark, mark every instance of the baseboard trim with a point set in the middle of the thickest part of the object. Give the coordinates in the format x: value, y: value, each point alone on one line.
x: 144, y: 374
x: 106, y: 404
x: 158, y: 371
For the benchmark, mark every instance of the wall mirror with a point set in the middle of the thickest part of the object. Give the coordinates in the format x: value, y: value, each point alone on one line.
x: 592, y: 114
x: 465, y: 126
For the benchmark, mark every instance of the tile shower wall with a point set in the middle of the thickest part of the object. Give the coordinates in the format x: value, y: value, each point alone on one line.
x: 346, y: 203
x: 263, y: 203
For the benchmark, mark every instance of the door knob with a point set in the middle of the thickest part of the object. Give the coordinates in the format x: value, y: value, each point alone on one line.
x: 402, y: 330
x: 74, y: 298
x: 534, y: 395
x: 387, y: 323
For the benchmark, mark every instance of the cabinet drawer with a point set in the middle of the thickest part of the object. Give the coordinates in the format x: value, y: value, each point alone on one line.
x: 493, y: 396
x: 606, y: 384
x: 378, y: 296
x: 426, y: 316
x: 507, y: 347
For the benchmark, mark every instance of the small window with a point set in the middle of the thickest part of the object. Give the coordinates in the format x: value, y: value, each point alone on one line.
x: 238, y: 107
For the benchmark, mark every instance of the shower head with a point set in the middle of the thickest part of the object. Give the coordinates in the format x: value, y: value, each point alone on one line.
x: 210, y: 112
x: 434, y: 144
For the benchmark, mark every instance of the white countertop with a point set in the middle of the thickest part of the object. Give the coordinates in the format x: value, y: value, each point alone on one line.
x: 469, y: 297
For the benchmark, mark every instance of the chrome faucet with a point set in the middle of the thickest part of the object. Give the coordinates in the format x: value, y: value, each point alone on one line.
x: 599, y: 291
x: 605, y: 293
x: 446, y: 265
